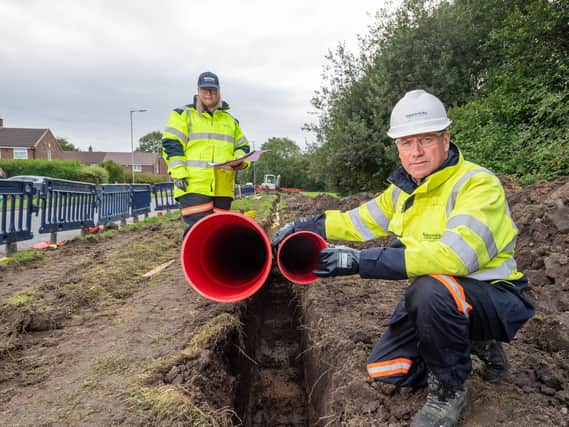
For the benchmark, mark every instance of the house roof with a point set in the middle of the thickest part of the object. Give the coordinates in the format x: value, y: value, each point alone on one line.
x: 140, y: 158
x: 91, y: 157
x: 88, y: 157
x: 20, y: 137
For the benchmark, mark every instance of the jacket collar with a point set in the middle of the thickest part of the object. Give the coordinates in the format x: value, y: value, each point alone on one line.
x: 224, y: 105
x: 403, y: 180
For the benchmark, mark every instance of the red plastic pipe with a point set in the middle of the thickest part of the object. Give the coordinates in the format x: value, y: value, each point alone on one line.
x: 298, y: 255
x: 226, y: 257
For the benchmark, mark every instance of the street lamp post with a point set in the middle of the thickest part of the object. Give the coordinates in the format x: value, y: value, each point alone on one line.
x: 254, y: 174
x: 132, y: 140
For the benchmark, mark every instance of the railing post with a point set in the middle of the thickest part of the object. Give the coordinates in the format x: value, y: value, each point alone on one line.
x: 11, y: 249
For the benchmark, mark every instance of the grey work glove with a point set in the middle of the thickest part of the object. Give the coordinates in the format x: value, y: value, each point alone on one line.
x: 181, y: 183
x: 280, y: 235
x: 338, y: 261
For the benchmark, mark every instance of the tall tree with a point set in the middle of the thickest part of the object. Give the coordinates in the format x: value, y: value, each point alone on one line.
x: 285, y: 159
x: 151, y: 142
x: 506, y: 58
x: 66, y: 145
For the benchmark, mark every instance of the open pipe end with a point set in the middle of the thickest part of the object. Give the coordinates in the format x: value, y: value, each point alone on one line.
x: 226, y: 257
x: 298, y: 255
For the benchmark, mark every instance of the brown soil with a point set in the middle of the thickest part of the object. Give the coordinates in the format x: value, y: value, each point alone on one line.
x: 85, y: 339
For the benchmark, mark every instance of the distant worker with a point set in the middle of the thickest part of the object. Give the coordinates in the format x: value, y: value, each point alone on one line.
x: 455, y: 243
x: 196, y: 136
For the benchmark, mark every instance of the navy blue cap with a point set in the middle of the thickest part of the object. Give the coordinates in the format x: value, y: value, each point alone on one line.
x: 208, y: 79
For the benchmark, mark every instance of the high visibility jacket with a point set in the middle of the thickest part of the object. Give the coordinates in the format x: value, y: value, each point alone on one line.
x: 456, y: 222
x: 193, y: 141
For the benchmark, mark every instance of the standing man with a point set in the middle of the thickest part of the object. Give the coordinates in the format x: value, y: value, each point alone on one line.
x: 455, y: 243
x: 197, y: 136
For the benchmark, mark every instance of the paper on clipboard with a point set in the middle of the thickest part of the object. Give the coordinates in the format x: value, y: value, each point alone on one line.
x: 253, y: 156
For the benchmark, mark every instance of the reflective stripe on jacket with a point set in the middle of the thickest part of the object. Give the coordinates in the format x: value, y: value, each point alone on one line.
x: 456, y: 222
x: 192, y: 141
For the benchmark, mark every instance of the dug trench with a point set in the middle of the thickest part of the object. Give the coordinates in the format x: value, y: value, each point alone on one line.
x: 255, y: 371
x: 271, y: 388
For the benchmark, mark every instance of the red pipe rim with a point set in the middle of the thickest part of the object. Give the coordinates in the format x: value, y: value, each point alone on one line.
x: 208, y: 252
x: 313, y: 243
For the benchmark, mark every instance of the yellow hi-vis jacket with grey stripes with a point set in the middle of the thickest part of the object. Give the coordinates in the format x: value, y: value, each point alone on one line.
x: 193, y: 141
x: 456, y: 222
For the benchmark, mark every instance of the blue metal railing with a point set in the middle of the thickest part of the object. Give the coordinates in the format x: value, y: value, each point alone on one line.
x: 70, y: 205
x: 66, y: 205
x: 113, y: 202
x: 140, y: 199
x: 164, y: 196
x: 16, y: 208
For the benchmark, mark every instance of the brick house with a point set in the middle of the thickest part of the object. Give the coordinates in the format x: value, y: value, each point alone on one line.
x: 149, y: 163
x: 28, y: 144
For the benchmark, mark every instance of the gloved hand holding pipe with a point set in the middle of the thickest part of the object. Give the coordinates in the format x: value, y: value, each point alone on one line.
x: 297, y: 248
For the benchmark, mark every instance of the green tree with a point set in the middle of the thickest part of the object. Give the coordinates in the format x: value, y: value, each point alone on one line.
x: 66, y: 145
x: 285, y: 159
x: 151, y: 142
x: 116, y: 172
x: 501, y: 65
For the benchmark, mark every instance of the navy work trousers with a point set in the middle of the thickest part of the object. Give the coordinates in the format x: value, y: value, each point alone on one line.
x: 196, y: 206
x: 432, y: 327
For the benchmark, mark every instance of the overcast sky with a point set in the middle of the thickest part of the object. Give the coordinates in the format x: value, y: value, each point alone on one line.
x: 79, y: 67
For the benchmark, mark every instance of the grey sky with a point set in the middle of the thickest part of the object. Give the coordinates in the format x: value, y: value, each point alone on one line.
x: 78, y: 67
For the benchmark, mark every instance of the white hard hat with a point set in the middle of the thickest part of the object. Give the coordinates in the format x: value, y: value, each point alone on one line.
x: 417, y: 112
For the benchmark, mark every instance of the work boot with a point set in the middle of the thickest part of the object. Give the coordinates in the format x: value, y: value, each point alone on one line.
x: 445, y: 405
x: 494, y: 362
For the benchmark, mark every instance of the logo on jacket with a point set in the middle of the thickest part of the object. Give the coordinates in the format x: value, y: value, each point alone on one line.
x: 431, y: 236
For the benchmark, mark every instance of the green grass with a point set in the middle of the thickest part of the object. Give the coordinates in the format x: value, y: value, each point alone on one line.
x: 259, y: 203
x: 318, y: 193
x: 114, y: 364
x: 22, y: 298
x: 170, y: 405
x: 20, y: 258
x: 134, y: 226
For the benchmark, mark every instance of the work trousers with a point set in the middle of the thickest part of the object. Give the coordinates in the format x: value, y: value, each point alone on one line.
x: 196, y: 206
x: 433, y: 326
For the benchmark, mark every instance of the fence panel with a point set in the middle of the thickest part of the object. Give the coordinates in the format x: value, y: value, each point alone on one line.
x: 236, y: 192
x: 114, y: 202
x: 140, y: 199
x: 16, y: 208
x: 164, y: 196
x: 247, y: 190
x: 66, y: 205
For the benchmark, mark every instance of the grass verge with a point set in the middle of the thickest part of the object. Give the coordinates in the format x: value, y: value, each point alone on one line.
x: 20, y: 258
x: 170, y: 405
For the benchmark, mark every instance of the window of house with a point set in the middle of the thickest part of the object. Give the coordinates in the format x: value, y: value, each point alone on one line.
x: 137, y: 168
x: 49, y: 154
x: 20, y: 154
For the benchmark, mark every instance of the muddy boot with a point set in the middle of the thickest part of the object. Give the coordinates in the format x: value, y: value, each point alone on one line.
x: 494, y: 362
x: 445, y: 405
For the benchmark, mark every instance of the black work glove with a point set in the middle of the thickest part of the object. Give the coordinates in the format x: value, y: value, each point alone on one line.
x: 181, y: 183
x: 280, y: 235
x: 338, y: 261
x: 313, y: 223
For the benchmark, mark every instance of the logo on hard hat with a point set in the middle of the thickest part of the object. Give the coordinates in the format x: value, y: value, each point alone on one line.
x: 417, y: 114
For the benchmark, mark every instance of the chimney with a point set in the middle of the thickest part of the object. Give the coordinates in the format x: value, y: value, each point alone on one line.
x: 1, y: 122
